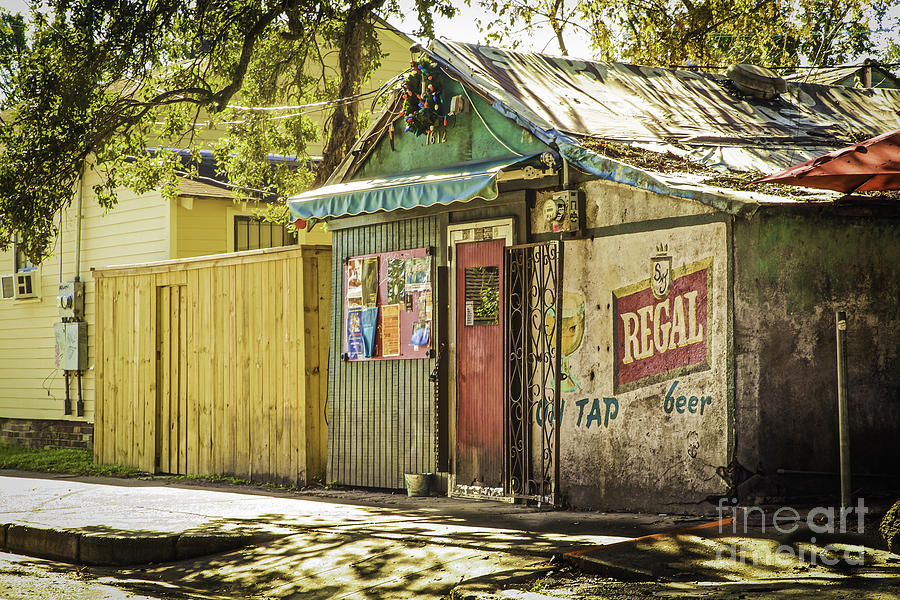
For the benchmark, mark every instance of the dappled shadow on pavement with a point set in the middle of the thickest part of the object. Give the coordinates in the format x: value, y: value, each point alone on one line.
x: 346, y: 544
x: 576, y: 586
x: 749, y: 557
x: 325, y: 564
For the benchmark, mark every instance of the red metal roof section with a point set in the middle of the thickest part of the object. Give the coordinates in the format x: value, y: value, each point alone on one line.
x: 872, y: 165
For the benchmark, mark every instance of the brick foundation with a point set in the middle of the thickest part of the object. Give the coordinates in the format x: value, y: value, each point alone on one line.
x: 46, y: 433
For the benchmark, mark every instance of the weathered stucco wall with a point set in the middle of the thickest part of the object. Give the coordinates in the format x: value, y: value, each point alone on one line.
x: 792, y: 271
x: 645, y: 419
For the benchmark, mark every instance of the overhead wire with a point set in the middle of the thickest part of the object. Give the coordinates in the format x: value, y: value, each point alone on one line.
x: 324, y: 103
x: 217, y: 182
x: 315, y: 106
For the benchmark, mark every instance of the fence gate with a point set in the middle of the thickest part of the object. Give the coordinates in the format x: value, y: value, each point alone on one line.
x: 531, y: 370
x: 171, y: 379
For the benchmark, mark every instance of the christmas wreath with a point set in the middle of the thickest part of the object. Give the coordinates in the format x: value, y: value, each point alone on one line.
x: 422, y: 101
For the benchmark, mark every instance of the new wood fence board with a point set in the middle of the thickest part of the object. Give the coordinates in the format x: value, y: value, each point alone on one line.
x: 215, y: 367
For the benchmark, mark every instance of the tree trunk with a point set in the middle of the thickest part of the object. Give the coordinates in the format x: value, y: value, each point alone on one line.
x: 343, y: 128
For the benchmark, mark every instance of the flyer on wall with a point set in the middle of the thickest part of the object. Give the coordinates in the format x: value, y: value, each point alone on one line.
x: 370, y: 281
x: 355, y: 347
x: 390, y: 330
x: 426, y: 302
x: 369, y: 322
x: 421, y: 334
x: 418, y: 274
x: 396, y: 280
x: 354, y: 282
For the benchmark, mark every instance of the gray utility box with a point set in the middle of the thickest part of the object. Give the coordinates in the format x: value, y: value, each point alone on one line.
x: 71, y: 346
x: 71, y: 300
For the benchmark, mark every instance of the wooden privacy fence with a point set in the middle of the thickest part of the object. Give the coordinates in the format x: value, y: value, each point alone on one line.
x: 215, y: 365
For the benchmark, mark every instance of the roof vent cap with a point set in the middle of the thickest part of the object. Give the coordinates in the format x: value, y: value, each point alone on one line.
x: 755, y: 81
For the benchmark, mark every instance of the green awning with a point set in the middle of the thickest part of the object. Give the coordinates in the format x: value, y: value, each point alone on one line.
x: 455, y: 184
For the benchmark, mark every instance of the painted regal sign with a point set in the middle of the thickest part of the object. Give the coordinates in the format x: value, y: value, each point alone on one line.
x: 660, y: 326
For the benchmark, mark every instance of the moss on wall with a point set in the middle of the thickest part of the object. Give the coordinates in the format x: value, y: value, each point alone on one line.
x: 793, y: 269
x: 814, y: 257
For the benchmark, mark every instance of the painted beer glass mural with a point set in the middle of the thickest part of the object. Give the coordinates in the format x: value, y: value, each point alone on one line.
x: 572, y: 332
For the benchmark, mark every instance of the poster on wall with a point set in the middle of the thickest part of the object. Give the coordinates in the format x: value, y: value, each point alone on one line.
x: 418, y: 274
x: 390, y: 330
x: 354, y: 282
x: 369, y: 323
x: 370, y: 281
x: 396, y: 282
x: 421, y: 334
x: 425, y: 304
x: 355, y: 347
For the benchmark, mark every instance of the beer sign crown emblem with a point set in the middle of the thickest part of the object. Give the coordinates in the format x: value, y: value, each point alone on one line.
x: 661, y: 272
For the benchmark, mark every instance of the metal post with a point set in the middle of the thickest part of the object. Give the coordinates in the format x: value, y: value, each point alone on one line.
x: 843, y: 421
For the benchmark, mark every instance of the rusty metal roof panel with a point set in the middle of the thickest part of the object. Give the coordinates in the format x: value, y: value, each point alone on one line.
x: 871, y: 165
x: 699, y: 112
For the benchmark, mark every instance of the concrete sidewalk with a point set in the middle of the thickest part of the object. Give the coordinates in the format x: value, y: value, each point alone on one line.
x: 249, y: 541
x: 281, y: 544
x: 153, y: 520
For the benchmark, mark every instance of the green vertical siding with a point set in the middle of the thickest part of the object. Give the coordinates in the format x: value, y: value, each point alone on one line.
x: 381, y: 413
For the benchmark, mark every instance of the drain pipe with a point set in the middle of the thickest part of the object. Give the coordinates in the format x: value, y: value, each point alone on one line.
x: 843, y: 413
x: 78, y: 207
x: 79, y: 404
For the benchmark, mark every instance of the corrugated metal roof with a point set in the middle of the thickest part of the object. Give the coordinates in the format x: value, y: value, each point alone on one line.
x: 699, y: 113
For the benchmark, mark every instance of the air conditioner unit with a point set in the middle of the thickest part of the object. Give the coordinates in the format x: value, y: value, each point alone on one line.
x: 8, y: 286
x: 26, y: 284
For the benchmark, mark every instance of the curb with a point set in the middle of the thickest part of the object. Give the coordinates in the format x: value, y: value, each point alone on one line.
x: 120, y: 548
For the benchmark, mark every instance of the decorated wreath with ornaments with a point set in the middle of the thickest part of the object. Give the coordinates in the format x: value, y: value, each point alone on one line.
x: 422, y: 101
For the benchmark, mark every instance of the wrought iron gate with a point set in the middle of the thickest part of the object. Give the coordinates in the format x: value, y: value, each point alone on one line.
x: 531, y: 370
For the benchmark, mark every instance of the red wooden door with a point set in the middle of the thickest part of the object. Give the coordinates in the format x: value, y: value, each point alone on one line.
x: 479, y: 344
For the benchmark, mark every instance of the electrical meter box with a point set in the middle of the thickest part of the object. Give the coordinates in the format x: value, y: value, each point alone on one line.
x: 71, y: 300
x: 71, y: 346
x: 567, y: 212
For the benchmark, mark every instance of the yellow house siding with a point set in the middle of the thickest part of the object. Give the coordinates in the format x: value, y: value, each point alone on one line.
x: 203, y: 229
x: 30, y: 385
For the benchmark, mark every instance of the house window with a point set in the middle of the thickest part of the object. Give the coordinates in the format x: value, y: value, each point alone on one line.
x: 251, y: 233
x: 22, y: 262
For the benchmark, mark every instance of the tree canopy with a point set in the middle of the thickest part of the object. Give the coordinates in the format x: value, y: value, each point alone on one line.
x: 711, y: 33
x: 111, y: 80
x: 120, y: 82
